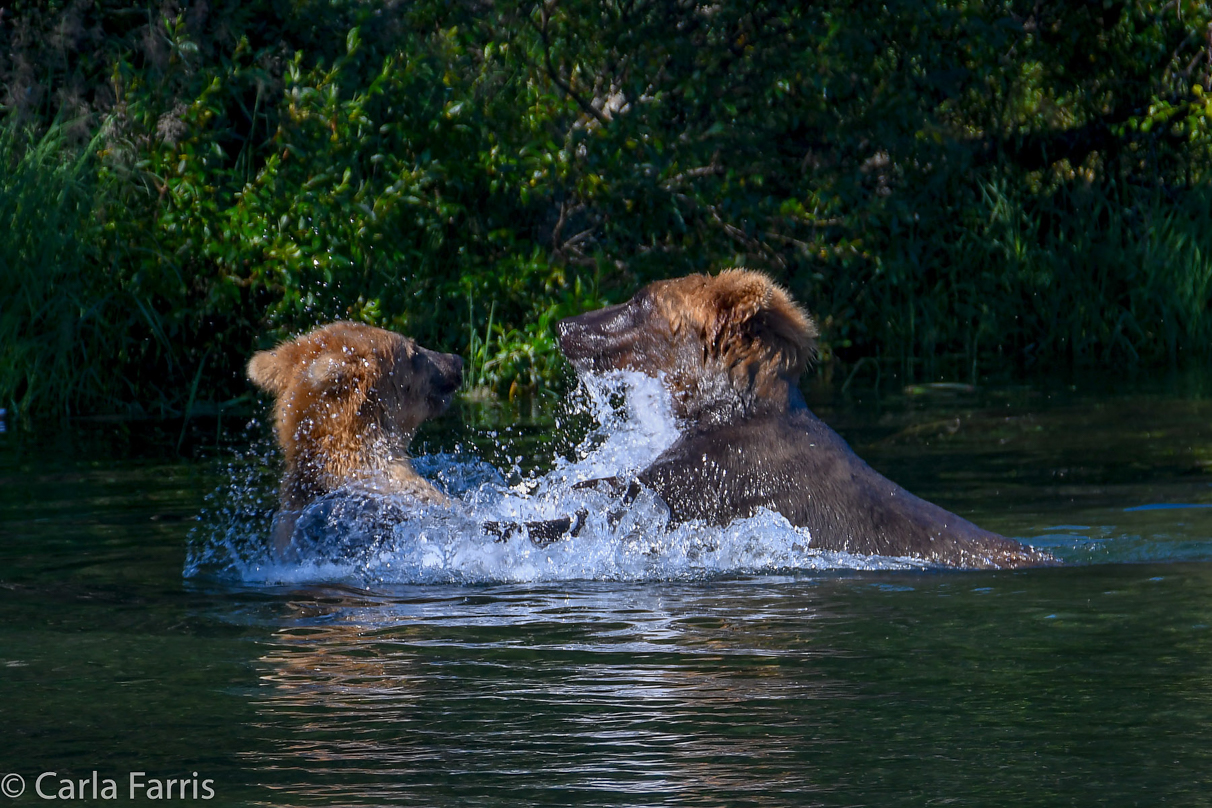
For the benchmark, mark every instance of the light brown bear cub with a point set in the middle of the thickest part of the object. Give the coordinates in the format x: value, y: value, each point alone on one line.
x: 731, y: 349
x: 348, y: 400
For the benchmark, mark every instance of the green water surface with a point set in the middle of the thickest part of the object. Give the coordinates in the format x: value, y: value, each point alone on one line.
x: 1089, y: 684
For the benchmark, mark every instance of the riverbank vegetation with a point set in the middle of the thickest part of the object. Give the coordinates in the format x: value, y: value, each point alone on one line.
x: 950, y: 187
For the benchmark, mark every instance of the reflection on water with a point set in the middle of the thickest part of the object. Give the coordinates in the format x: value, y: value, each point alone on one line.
x: 995, y: 688
x: 1083, y: 685
x: 551, y: 695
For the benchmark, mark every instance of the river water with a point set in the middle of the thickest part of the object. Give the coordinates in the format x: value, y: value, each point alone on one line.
x: 140, y: 631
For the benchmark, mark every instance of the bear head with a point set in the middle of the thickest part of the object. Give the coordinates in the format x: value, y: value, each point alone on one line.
x: 348, y: 399
x: 727, y: 346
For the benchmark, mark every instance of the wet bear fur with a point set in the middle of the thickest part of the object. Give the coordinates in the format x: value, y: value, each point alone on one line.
x: 730, y: 350
x: 348, y: 399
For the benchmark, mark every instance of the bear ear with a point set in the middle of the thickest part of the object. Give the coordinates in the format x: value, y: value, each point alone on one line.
x: 738, y: 295
x: 749, y: 301
x: 790, y: 329
x: 270, y: 370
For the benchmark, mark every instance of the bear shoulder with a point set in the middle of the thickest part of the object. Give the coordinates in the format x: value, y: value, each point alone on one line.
x: 795, y: 465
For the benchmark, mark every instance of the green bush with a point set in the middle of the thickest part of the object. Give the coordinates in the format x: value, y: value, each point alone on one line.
x: 950, y: 187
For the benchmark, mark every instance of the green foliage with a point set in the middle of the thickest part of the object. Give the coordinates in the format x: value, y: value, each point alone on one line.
x: 52, y: 325
x: 940, y: 183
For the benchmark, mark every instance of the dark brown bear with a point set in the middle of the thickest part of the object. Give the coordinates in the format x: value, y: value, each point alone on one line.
x: 730, y: 349
x: 348, y: 398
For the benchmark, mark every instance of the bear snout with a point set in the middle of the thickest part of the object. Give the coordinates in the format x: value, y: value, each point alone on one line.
x: 449, y: 372
x: 567, y: 332
x: 586, y: 338
x: 574, y: 342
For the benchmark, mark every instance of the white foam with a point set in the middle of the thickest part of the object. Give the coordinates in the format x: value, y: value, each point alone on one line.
x: 364, y: 538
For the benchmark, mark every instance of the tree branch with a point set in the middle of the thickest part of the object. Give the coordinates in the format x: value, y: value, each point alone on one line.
x: 549, y: 66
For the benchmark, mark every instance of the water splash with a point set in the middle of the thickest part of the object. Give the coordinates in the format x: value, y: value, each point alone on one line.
x: 365, y: 538
x: 236, y: 519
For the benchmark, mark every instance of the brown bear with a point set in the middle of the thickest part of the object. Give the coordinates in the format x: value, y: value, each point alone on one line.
x: 348, y: 399
x: 730, y: 349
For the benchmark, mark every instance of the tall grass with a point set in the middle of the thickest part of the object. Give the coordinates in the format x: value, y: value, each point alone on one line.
x: 1101, y: 274
x: 53, y: 345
